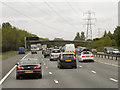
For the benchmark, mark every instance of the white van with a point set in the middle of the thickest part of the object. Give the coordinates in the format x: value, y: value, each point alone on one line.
x: 69, y: 48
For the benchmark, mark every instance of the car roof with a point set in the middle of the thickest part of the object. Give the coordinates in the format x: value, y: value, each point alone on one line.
x: 55, y: 49
x: 29, y: 59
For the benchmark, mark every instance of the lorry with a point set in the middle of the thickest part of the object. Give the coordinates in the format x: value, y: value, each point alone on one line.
x: 69, y: 48
x: 33, y: 48
x: 21, y: 50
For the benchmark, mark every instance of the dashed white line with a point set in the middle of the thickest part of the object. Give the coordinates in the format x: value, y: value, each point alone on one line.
x: 93, y: 71
x: 44, y: 64
x: 56, y: 81
x: 46, y: 67
x: 112, y: 79
x: 80, y: 66
x: 50, y: 72
x: 3, y: 79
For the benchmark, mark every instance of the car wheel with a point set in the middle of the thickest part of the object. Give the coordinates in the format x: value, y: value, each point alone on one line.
x: 17, y: 77
x: 40, y: 76
x: 60, y: 67
x: 50, y: 59
x: 44, y: 56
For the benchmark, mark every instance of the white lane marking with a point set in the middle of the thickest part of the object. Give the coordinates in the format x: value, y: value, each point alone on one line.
x: 108, y: 63
x: 112, y: 79
x: 46, y: 67
x: 50, y: 72
x: 7, y: 74
x: 56, y: 81
x: 3, y: 79
x: 93, y: 71
x: 80, y: 66
x: 25, y: 56
x: 44, y: 64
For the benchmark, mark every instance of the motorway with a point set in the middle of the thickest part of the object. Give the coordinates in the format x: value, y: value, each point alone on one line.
x: 87, y: 75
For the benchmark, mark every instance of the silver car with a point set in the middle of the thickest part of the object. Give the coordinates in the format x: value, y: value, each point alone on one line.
x: 54, y: 55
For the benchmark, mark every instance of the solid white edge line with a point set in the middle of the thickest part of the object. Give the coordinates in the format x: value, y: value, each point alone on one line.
x: 93, y: 71
x: 112, y: 79
x: 7, y: 74
x: 50, y: 72
x: 3, y: 79
x: 56, y: 81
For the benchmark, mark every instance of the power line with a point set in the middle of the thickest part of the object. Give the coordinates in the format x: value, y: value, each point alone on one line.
x: 59, y: 14
x: 27, y: 16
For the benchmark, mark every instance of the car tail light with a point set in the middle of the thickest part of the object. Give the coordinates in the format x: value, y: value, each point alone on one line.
x: 61, y: 57
x: 37, y: 71
x: 83, y: 56
x: 92, y: 56
x: 45, y: 53
x: 51, y: 55
x: 19, y: 68
x: 37, y: 67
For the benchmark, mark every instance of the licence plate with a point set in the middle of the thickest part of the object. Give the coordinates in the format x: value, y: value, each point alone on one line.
x: 87, y: 56
x: 29, y: 72
x: 68, y: 60
x: 56, y: 55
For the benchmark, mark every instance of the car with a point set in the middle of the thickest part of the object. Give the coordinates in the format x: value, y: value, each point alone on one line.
x: 46, y: 53
x: 28, y: 68
x: 94, y: 51
x: 66, y: 60
x: 108, y: 50
x: 116, y: 51
x: 33, y: 52
x: 85, y: 56
x: 21, y: 50
x: 54, y: 55
x: 43, y: 51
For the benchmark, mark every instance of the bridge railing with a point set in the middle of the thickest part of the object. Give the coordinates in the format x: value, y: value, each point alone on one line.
x: 108, y: 56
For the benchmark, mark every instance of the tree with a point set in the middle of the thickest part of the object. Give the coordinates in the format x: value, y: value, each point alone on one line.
x: 77, y: 37
x: 105, y: 33
x: 7, y: 24
x: 82, y: 36
x: 117, y: 35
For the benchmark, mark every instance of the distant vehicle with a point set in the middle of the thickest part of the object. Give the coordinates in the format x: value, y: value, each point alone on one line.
x: 108, y: 50
x: 69, y: 48
x: 33, y: 48
x: 116, y: 51
x: 94, y: 51
x: 44, y: 46
x: 21, y: 50
x: 66, y: 60
x: 54, y: 55
x: 43, y: 51
x: 46, y: 53
x: 39, y: 47
x: 85, y: 56
x: 28, y: 68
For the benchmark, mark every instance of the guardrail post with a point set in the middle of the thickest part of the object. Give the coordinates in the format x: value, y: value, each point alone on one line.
x: 116, y: 57
x: 112, y: 57
x: 108, y: 56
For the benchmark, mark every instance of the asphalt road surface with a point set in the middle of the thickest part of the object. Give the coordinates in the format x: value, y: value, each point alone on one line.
x: 87, y: 75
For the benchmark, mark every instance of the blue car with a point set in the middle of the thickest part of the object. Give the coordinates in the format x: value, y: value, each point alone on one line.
x: 66, y: 60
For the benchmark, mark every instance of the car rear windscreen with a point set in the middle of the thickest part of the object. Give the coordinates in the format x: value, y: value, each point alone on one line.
x: 56, y: 51
x: 29, y: 62
x: 65, y: 56
x: 86, y: 53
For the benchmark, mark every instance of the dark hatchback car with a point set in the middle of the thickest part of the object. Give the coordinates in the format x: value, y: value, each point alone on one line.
x: 46, y: 53
x: 66, y: 60
x: 28, y: 68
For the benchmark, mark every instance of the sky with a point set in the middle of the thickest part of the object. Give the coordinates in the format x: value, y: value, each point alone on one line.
x: 61, y: 19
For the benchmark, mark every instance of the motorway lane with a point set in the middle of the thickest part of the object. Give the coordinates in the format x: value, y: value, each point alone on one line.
x: 82, y: 77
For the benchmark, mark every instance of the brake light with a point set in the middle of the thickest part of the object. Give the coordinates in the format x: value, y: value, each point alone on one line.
x: 83, y: 56
x: 45, y: 53
x: 92, y: 56
x: 19, y: 68
x: 37, y: 67
x: 62, y: 57
x: 51, y: 55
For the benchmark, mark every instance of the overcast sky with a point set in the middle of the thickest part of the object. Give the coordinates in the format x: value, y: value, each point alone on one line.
x: 60, y: 19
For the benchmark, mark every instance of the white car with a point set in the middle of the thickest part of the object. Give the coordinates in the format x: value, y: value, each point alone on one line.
x: 116, y: 51
x: 54, y: 55
x: 85, y: 56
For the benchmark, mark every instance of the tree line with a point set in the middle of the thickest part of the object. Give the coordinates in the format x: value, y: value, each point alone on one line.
x: 12, y: 37
x: 107, y: 40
